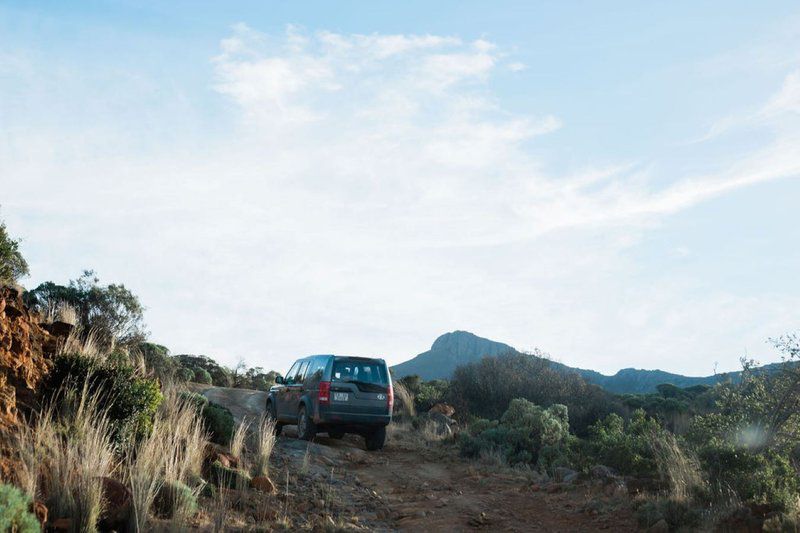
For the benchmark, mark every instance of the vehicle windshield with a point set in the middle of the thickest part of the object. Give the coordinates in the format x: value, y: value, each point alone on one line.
x: 365, y: 372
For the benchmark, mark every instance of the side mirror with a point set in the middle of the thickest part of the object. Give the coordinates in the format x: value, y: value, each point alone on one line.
x: 279, y: 380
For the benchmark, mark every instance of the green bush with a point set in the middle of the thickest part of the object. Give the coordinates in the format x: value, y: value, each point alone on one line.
x: 130, y: 400
x: 526, y: 433
x: 219, y: 422
x: 12, y: 265
x: 14, y: 513
x: 185, y: 374
x: 175, y: 498
x: 487, y: 387
x: 195, y: 398
x: 201, y: 375
x: 625, y: 446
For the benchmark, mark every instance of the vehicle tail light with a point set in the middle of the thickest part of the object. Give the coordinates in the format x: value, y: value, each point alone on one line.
x: 390, y: 397
x: 324, y: 395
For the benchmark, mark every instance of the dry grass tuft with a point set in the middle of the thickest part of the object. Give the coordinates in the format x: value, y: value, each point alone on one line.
x: 264, y: 444
x: 404, y: 401
x: 78, y: 452
x: 238, y: 439
x: 60, y: 312
x: 680, y: 470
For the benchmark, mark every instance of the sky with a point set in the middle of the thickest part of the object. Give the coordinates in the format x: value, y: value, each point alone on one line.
x: 614, y: 183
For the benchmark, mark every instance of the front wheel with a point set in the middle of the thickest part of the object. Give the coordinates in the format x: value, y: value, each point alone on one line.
x: 376, y: 439
x: 272, y: 414
x: 306, y: 429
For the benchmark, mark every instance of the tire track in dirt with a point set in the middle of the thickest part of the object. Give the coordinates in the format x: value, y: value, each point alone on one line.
x: 419, y: 487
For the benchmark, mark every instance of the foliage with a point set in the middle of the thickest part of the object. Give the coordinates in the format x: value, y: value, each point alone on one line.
x: 486, y: 388
x: 129, y: 400
x: 201, y: 375
x: 218, y: 420
x: 526, y: 433
x: 14, y: 514
x: 220, y: 376
x: 624, y: 445
x: 175, y: 498
x: 111, y: 313
x: 158, y: 360
x: 673, y: 406
x: 198, y: 400
x: 749, y: 443
x: 12, y: 265
x: 680, y: 515
x: 186, y: 374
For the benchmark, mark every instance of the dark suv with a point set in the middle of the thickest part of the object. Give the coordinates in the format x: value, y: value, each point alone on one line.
x: 334, y: 395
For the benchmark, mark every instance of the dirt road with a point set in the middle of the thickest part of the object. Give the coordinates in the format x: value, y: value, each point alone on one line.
x: 416, y: 486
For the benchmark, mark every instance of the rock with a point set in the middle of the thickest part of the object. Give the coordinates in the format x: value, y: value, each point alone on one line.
x: 117, y: 505
x: 565, y: 475
x: 443, y: 408
x: 214, y: 452
x: 659, y: 527
x: 603, y: 473
x: 263, y: 484
x: 40, y: 510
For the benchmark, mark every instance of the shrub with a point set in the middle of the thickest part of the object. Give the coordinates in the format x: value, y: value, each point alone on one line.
x: 194, y: 398
x: 201, y: 375
x: 129, y: 400
x: 485, y: 389
x: 219, y: 422
x: 185, y: 374
x: 14, y: 514
x: 429, y: 393
x: 680, y: 515
x: 526, y: 433
x: 175, y: 499
x: 625, y: 445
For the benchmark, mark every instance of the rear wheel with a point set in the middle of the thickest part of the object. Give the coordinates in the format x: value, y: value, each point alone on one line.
x: 272, y: 414
x: 376, y: 439
x: 306, y: 429
x: 336, y: 434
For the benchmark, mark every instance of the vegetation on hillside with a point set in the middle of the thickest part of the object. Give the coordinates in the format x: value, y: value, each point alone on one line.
x: 12, y: 265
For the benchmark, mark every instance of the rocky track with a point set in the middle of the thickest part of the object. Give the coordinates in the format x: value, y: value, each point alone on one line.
x: 411, y: 486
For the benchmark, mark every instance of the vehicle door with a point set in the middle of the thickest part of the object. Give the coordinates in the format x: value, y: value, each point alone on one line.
x: 359, y: 386
x: 281, y: 396
x: 295, y: 390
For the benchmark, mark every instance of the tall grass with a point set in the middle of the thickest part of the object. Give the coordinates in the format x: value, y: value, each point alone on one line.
x: 679, y: 469
x: 77, y: 453
x: 173, y: 452
x: 404, y: 401
x: 264, y: 444
x: 238, y: 439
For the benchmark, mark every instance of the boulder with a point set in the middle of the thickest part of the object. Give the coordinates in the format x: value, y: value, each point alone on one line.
x: 117, y: 505
x: 443, y: 408
x: 565, y: 475
x: 263, y: 484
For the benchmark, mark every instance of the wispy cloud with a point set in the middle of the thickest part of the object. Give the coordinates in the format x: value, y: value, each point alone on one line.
x: 365, y: 192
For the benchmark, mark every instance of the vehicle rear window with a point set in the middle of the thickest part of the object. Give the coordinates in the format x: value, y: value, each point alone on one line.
x: 363, y: 371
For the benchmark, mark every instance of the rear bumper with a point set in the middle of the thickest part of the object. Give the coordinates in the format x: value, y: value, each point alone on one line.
x: 328, y: 418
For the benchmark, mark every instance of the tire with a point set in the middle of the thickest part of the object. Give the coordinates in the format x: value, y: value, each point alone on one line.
x: 273, y: 415
x: 336, y: 434
x: 376, y: 439
x: 306, y: 428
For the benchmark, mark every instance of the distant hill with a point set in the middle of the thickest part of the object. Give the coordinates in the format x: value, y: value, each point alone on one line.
x: 461, y: 347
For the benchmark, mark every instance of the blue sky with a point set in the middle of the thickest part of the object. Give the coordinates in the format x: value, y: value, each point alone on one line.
x: 613, y: 183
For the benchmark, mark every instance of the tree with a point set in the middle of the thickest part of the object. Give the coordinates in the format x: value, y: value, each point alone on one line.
x: 12, y: 265
x: 111, y: 313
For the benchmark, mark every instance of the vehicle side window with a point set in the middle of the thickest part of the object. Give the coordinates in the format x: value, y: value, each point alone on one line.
x: 315, y: 369
x: 298, y: 378
x: 290, y: 374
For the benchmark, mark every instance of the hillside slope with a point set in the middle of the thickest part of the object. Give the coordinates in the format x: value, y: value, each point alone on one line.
x: 462, y: 347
